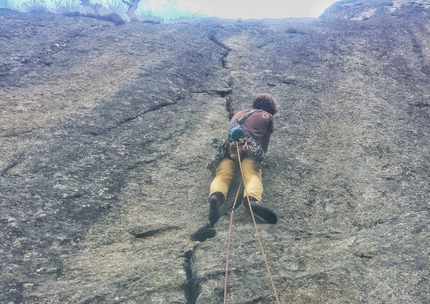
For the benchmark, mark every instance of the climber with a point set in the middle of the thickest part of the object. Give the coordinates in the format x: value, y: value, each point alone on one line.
x: 249, y: 133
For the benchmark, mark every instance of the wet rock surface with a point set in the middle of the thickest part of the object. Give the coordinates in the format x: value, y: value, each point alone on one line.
x: 105, y: 136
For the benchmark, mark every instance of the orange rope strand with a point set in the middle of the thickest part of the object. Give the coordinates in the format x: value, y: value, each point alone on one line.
x: 228, y: 244
x: 263, y: 253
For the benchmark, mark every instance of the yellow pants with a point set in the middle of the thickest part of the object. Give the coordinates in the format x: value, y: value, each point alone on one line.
x: 251, y: 175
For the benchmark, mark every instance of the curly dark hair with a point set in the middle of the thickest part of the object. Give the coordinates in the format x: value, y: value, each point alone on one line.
x: 266, y: 102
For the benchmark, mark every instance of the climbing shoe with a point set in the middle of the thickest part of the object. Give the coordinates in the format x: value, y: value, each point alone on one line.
x: 265, y: 213
x: 213, y: 210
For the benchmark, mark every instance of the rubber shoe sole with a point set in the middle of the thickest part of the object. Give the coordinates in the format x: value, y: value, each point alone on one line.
x: 265, y: 213
x: 213, y: 210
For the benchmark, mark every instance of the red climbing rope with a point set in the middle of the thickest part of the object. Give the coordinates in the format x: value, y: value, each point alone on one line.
x: 258, y: 238
x: 263, y: 252
x: 228, y: 244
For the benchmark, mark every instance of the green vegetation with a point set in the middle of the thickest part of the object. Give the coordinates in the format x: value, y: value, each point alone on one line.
x: 171, y: 11
x: 35, y: 6
x: 6, y: 4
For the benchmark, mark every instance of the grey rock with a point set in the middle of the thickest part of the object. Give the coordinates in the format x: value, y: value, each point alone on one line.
x: 105, y: 137
x: 365, y: 9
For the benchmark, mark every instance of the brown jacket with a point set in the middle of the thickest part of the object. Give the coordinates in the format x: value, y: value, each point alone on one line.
x: 259, y: 125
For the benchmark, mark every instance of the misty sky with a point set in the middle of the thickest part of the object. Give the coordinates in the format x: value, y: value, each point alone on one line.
x: 253, y: 9
x: 229, y: 9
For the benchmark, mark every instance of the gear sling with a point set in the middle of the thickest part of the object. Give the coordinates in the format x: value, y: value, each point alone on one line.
x: 250, y: 154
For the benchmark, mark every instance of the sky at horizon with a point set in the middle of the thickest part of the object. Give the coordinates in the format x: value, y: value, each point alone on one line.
x: 225, y: 9
x: 246, y: 9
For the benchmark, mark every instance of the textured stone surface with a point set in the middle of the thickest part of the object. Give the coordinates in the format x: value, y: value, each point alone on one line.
x: 365, y: 9
x: 105, y: 134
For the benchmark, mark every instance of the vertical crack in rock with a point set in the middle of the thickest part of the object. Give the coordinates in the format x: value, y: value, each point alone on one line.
x: 203, y: 234
x: 212, y: 37
x: 229, y: 106
x: 191, y: 288
x: 228, y: 92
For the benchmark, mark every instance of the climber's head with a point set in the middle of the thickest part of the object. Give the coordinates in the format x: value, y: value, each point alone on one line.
x: 265, y: 102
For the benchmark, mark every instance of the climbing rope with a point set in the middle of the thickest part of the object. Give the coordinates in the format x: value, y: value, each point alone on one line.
x: 228, y: 244
x: 263, y: 253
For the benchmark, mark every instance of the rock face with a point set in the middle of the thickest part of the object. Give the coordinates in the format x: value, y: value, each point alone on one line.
x: 105, y: 136
x: 365, y: 9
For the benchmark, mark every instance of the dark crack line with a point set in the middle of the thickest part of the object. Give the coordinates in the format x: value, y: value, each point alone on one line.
x: 191, y: 288
x: 9, y: 167
x: 203, y: 233
x: 153, y: 232
x: 228, y: 92
x: 129, y: 119
x: 18, y: 160
x: 212, y: 37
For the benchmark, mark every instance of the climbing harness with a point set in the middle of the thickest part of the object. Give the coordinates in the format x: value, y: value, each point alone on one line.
x: 247, y: 146
x: 263, y: 253
x: 228, y: 149
x: 237, y: 137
